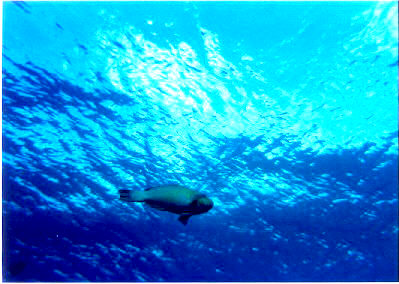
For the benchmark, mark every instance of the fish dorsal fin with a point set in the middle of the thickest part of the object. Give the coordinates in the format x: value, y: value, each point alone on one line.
x: 152, y: 188
x: 156, y: 187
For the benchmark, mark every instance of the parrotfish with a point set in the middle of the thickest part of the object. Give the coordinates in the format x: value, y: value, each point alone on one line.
x: 172, y: 198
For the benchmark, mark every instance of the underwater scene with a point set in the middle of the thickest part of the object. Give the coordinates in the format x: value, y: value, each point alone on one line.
x: 200, y: 141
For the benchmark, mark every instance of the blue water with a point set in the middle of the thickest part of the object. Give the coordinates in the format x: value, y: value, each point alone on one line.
x: 285, y: 114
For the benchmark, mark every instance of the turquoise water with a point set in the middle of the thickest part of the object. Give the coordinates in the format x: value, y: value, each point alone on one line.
x: 285, y: 114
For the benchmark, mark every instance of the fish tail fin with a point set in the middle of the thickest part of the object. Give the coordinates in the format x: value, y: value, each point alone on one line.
x: 184, y: 218
x: 131, y: 195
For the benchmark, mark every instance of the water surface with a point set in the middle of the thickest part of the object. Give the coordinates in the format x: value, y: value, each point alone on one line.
x: 285, y: 114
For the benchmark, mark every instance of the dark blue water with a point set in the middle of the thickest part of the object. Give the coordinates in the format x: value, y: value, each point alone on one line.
x: 285, y: 114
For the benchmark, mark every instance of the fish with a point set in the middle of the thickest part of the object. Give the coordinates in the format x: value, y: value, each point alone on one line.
x: 176, y: 199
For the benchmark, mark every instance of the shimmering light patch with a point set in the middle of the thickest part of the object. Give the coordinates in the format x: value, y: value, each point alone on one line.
x: 247, y: 58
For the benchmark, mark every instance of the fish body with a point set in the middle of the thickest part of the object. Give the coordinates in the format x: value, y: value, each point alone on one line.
x: 172, y: 198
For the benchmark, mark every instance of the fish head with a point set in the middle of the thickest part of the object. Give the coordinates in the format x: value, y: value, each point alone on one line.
x: 203, y: 204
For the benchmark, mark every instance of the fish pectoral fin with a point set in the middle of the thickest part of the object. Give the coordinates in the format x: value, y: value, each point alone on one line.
x: 184, y: 218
